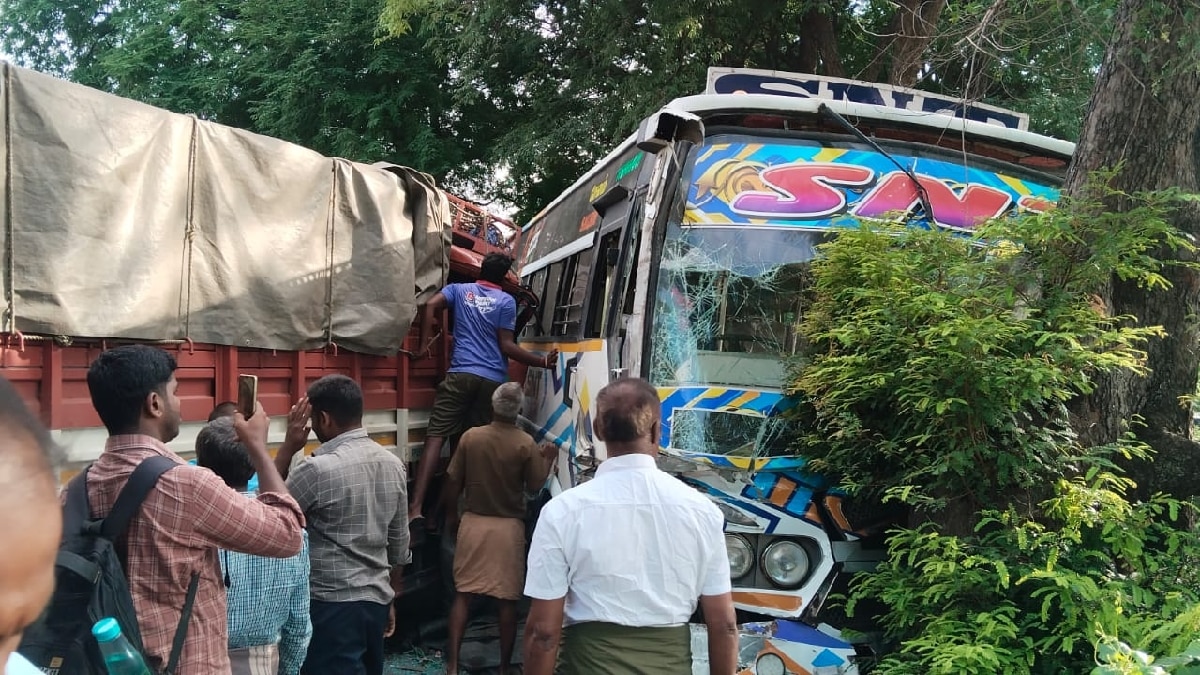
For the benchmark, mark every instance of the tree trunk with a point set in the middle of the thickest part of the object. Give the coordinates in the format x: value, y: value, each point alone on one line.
x: 918, y: 22
x: 902, y: 48
x: 818, y: 43
x: 1144, y: 116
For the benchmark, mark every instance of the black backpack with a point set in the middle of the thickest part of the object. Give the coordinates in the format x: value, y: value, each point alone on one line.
x: 90, y: 583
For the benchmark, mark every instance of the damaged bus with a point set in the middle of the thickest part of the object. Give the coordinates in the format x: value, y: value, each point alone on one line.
x: 682, y: 257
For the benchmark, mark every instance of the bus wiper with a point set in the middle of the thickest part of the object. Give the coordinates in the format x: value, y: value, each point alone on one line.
x: 845, y: 124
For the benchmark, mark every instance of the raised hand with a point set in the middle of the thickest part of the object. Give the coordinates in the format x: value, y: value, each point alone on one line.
x: 298, y: 426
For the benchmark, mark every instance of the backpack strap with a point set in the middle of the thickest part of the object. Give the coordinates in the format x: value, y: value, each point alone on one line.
x: 77, y: 511
x: 129, y: 501
x: 181, y: 630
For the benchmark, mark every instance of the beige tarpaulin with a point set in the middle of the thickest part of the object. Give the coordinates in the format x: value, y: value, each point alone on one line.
x: 123, y: 220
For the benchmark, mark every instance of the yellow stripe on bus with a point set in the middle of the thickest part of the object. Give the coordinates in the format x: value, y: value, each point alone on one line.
x: 828, y: 154
x: 750, y: 149
x: 1015, y: 184
x: 572, y: 347
x: 711, y: 392
x: 698, y: 216
x: 744, y: 398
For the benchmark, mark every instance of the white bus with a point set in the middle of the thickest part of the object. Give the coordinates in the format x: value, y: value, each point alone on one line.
x: 681, y: 257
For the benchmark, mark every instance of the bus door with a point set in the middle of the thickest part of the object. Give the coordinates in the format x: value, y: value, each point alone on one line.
x: 592, y: 316
x: 617, y: 251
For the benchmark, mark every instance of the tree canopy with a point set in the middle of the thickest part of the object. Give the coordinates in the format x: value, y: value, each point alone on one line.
x: 570, y: 79
x: 305, y: 71
x: 514, y: 99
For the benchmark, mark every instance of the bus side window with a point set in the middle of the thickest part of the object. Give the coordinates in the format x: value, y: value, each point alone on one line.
x: 537, y: 283
x: 572, y: 286
x: 550, y: 298
x: 599, y: 300
x: 631, y: 272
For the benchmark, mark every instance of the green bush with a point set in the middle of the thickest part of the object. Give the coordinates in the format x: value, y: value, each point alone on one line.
x: 937, y: 373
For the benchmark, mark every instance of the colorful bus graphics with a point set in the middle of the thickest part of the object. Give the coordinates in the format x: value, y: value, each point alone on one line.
x: 811, y: 185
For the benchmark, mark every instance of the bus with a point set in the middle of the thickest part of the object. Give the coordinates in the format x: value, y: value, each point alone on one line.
x: 683, y: 256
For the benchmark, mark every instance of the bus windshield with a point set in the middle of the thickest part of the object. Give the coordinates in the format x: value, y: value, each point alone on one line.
x: 733, y: 281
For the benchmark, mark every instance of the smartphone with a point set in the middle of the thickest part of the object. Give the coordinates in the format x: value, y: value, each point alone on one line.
x: 247, y: 394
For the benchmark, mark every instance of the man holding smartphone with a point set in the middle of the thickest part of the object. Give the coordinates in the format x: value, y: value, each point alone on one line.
x: 190, y: 513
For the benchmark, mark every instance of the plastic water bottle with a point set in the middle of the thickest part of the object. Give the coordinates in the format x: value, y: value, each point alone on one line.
x: 120, y: 658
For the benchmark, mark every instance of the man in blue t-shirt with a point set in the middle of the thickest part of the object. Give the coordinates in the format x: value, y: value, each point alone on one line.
x: 484, y: 319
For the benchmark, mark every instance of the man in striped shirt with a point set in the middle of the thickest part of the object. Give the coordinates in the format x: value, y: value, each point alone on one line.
x: 269, y: 627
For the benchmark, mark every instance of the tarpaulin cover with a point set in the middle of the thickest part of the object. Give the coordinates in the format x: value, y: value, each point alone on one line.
x: 122, y: 220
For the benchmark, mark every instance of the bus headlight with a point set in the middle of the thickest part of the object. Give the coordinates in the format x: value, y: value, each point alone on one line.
x: 741, y: 555
x: 786, y: 563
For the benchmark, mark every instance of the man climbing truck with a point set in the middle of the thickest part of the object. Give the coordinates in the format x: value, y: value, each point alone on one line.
x: 484, y: 319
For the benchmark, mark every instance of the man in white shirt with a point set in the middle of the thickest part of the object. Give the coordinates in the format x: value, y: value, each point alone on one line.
x: 623, y: 560
x: 33, y: 524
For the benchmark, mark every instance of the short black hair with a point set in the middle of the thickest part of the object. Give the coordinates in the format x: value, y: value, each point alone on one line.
x: 339, y: 396
x: 495, y: 267
x: 223, y: 409
x: 626, y: 409
x: 120, y: 379
x: 219, y: 449
x: 17, y: 420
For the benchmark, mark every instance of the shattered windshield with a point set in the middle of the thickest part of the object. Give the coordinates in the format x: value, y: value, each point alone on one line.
x: 734, y: 275
x: 727, y: 308
x: 728, y: 302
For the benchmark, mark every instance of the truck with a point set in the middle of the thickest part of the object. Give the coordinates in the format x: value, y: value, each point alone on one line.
x: 236, y: 252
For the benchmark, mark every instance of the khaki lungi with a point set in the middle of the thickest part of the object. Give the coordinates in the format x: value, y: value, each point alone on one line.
x: 489, y: 556
x: 258, y: 660
x: 596, y: 648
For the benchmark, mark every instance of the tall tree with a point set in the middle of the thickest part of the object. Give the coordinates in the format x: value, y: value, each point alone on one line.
x: 1144, y: 119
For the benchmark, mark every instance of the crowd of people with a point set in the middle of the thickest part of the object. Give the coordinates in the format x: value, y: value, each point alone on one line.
x: 299, y: 559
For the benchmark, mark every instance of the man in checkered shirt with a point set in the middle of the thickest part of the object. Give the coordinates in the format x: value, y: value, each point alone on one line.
x: 189, y: 514
x: 354, y: 497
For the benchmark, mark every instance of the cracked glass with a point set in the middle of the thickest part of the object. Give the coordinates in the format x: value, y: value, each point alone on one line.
x: 735, y: 272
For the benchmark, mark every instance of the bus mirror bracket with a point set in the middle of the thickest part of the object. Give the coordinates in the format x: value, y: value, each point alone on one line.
x: 615, y: 195
x: 660, y: 129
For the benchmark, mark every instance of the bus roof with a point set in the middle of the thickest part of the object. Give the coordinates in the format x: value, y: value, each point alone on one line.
x: 705, y: 104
